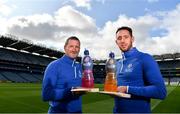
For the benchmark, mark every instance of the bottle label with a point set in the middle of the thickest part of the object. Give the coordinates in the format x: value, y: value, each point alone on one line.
x: 87, y: 63
x: 86, y: 59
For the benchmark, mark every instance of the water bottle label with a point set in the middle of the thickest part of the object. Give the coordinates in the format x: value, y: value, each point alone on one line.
x: 87, y: 64
x: 111, y: 61
x: 111, y: 66
x: 86, y: 59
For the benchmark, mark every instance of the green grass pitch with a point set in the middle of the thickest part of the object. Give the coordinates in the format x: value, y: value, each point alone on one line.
x: 26, y: 98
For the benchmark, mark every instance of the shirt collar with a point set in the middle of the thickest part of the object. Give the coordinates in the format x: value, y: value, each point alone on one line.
x: 130, y: 52
x: 69, y: 60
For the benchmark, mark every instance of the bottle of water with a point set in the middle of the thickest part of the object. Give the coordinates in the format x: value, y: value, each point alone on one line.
x: 88, y: 78
x: 111, y: 80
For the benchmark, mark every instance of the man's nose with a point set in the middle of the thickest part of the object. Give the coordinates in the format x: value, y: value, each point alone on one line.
x: 122, y: 40
x: 74, y: 49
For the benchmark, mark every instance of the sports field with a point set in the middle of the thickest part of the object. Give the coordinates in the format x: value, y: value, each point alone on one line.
x: 26, y: 98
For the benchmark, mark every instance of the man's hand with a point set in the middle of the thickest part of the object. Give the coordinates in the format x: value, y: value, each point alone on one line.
x: 122, y: 89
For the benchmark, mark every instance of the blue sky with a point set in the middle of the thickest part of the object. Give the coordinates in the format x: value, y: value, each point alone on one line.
x: 101, y: 11
x: 49, y: 22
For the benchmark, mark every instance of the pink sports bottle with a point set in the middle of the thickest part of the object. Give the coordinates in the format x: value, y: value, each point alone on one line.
x: 88, y: 78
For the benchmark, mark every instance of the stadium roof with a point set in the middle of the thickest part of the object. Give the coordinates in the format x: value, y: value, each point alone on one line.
x: 23, y: 45
x: 164, y: 57
x: 14, y: 42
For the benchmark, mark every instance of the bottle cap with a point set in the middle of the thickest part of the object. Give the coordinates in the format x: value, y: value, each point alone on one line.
x: 86, y: 52
x: 111, y: 55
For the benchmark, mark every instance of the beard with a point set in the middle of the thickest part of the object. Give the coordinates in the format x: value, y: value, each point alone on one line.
x: 126, y: 48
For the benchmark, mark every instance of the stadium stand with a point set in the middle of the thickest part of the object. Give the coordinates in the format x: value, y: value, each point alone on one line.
x: 23, y: 61
x: 19, y: 64
x: 99, y: 73
x: 170, y: 67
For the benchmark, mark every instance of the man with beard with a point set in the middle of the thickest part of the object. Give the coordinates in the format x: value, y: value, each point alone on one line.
x: 138, y: 74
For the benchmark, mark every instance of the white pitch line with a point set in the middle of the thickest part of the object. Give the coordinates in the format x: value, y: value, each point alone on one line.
x: 157, y: 103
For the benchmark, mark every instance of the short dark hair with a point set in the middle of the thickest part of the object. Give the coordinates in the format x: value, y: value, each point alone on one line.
x: 71, y: 38
x: 125, y: 28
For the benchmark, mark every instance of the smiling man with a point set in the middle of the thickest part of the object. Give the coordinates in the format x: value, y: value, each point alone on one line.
x: 137, y: 74
x: 60, y: 76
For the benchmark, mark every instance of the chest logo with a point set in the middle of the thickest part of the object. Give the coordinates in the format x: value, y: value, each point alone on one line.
x: 129, y: 68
